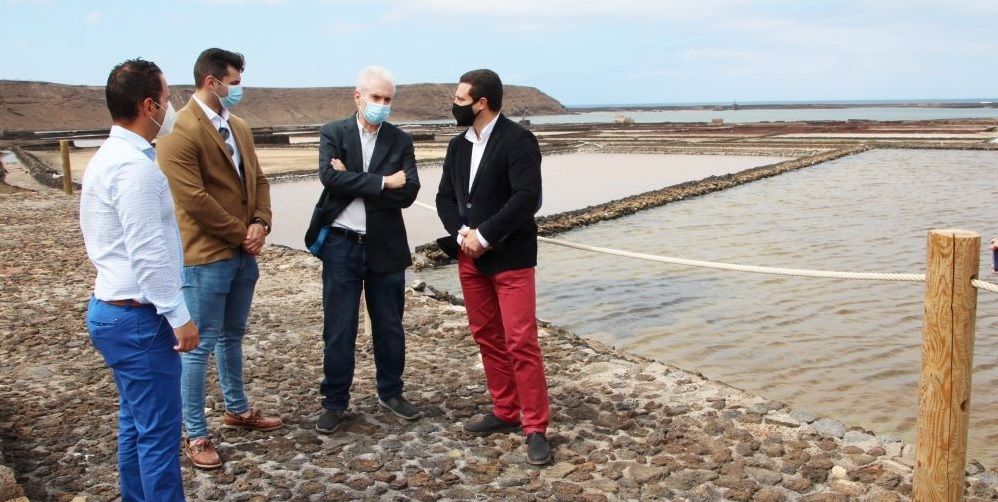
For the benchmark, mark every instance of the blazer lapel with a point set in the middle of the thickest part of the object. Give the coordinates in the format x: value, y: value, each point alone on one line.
x: 209, y: 129
x: 354, y: 153
x: 243, y: 139
x: 381, y: 147
x: 490, y: 149
x: 464, y: 166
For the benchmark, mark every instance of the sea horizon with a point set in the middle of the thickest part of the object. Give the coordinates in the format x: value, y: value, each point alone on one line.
x: 785, y: 103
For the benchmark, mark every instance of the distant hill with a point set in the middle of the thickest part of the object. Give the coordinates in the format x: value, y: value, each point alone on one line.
x: 43, y: 106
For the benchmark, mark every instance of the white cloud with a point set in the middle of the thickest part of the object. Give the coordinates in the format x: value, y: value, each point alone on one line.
x: 93, y: 17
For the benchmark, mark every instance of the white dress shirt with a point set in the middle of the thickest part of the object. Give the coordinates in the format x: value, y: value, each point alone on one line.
x: 478, y: 144
x: 219, y: 121
x: 131, y: 233
x: 354, y: 217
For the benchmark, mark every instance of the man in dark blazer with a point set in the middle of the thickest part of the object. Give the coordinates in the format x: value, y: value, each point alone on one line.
x: 368, y: 171
x: 489, y: 191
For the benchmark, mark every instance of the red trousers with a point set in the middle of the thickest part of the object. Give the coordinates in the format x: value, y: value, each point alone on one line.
x: 502, y: 317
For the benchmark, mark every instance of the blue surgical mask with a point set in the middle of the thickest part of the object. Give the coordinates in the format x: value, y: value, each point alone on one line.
x: 375, y: 113
x: 234, y: 97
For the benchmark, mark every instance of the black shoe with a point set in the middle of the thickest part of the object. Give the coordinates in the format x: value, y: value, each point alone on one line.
x: 400, y: 408
x: 538, y: 449
x: 489, y: 424
x: 329, y: 421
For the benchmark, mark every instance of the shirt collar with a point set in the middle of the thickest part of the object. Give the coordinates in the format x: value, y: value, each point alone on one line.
x: 212, y: 116
x: 363, y: 132
x: 133, y: 139
x: 486, y: 132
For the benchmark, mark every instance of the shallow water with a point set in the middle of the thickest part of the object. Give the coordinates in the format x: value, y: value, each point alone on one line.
x: 571, y: 181
x: 844, y: 349
x: 762, y: 115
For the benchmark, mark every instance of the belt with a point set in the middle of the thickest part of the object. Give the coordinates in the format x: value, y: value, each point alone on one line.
x: 349, y: 234
x: 124, y: 303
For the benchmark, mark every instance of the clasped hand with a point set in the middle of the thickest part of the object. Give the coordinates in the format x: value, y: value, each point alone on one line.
x: 470, y: 244
x: 256, y: 234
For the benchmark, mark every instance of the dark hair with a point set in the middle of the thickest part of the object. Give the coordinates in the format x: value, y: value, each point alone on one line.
x: 485, y: 84
x: 216, y: 62
x: 129, y: 84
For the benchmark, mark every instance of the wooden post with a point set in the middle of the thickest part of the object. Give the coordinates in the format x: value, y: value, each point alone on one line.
x: 67, y: 173
x: 947, y: 360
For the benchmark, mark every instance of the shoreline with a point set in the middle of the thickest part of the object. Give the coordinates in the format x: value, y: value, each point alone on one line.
x: 781, y: 106
x: 283, y: 158
x: 623, y: 426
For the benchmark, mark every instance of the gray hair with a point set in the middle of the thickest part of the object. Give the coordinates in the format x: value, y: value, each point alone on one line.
x: 372, y: 74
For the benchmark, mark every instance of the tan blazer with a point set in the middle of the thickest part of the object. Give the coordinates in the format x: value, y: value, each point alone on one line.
x: 213, y: 205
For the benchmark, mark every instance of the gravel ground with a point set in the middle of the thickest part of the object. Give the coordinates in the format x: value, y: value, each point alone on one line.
x: 622, y: 427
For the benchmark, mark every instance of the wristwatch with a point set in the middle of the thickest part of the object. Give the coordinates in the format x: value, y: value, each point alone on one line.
x: 266, y: 226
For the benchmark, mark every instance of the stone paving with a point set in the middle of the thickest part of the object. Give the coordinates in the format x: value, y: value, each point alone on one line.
x: 622, y: 427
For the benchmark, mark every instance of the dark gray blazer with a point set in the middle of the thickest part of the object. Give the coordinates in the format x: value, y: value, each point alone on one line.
x: 387, y: 244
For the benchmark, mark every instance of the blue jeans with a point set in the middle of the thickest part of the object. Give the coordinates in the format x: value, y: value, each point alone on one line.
x: 218, y: 295
x: 344, y: 273
x: 137, y: 344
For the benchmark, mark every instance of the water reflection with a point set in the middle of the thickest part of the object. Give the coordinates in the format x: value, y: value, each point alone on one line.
x: 845, y: 349
x: 571, y: 181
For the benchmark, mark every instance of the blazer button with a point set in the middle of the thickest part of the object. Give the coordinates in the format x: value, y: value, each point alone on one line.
x: 467, y: 205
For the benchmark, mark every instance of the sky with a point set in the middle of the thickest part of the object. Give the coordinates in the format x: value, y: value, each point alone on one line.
x: 579, y: 52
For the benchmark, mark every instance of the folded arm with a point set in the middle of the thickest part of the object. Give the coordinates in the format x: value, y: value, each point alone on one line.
x: 392, y: 198
x: 343, y: 183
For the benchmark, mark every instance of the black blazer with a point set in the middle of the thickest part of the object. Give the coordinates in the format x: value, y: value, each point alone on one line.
x: 502, y: 201
x: 387, y: 245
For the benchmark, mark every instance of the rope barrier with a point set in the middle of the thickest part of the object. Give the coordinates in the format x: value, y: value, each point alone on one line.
x: 827, y: 274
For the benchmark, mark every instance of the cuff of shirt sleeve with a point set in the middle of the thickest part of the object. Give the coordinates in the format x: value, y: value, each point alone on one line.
x: 178, y: 316
x: 460, y: 238
x: 382, y: 182
x: 482, y: 239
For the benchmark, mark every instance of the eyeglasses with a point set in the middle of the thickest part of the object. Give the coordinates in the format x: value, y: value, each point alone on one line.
x: 224, y: 131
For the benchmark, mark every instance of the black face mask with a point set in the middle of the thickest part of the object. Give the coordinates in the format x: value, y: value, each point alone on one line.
x: 464, y: 115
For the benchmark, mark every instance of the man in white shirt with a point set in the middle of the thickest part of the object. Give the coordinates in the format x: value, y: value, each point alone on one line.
x: 489, y: 190
x: 137, y: 317
x: 368, y: 172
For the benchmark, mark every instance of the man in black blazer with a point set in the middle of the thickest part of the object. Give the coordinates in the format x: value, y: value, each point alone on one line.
x: 489, y: 191
x: 368, y: 174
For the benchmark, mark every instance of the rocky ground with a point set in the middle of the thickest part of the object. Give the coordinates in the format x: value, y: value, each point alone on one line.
x: 623, y: 427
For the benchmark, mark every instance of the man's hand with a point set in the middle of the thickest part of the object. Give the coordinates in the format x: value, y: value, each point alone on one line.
x: 187, y: 337
x: 337, y: 164
x: 396, y: 180
x: 994, y: 243
x: 256, y: 234
x: 471, y: 246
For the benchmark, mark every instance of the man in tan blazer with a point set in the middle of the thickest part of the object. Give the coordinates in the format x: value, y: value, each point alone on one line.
x: 222, y: 202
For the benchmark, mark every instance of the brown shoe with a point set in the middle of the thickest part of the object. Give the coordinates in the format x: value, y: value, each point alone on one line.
x: 255, y: 421
x: 202, y: 453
